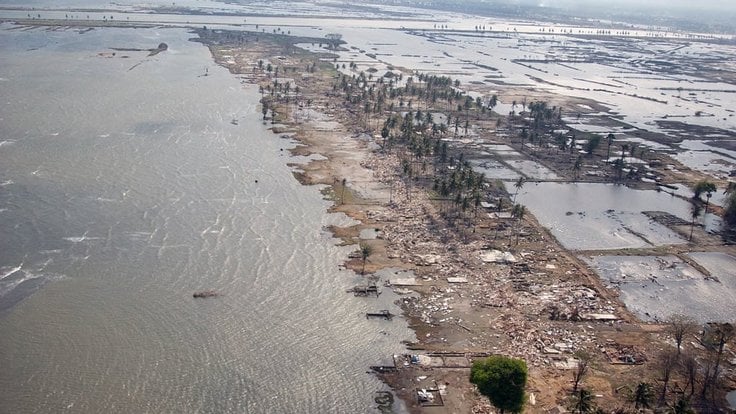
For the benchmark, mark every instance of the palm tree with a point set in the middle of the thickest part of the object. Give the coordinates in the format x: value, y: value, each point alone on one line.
x: 643, y: 395
x: 365, y: 252
x: 342, y: 192
x: 707, y: 187
x: 518, y: 185
x: 619, y: 165
x: 584, y: 401
x: 577, y: 167
x: 624, y: 148
x: 682, y: 406
x: 572, y: 143
x: 610, y: 138
x: 524, y: 135
x: 708, y: 195
x: 518, y: 212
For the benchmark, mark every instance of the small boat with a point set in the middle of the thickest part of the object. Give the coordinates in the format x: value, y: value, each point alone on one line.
x: 385, y: 314
x: 205, y: 294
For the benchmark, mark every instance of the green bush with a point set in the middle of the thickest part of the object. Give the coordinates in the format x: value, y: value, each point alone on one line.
x: 502, y: 380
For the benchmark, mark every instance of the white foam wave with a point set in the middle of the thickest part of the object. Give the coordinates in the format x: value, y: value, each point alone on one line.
x: 8, y: 285
x: 7, y: 271
x: 52, y: 251
x: 80, y: 239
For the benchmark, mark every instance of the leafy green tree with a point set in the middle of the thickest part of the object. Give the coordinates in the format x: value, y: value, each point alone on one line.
x: 704, y: 186
x: 502, y: 380
x: 707, y: 187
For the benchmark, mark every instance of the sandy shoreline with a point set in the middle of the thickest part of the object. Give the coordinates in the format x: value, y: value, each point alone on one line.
x: 467, y: 305
x: 543, y: 306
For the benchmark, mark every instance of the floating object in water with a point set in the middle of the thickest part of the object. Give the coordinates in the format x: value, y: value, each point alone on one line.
x: 380, y: 314
x: 205, y: 294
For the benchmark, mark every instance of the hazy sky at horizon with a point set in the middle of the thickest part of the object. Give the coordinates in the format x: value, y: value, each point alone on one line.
x: 710, y: 5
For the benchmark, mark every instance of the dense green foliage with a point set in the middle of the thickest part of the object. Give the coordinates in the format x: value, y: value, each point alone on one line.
x: 703, y: 186
x: 502, y: 380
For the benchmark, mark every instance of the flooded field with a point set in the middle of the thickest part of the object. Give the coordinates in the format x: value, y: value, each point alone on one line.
x: 589, y: 216
x: 655, y: 287
x: 705, y: 157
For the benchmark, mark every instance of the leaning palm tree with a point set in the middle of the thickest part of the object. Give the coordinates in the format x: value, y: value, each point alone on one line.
x: 518, y: 185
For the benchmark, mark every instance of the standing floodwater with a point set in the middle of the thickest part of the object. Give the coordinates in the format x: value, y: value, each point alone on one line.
x: 128, y: 182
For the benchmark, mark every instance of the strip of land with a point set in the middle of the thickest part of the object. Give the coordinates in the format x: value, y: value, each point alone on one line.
x: 488, y: 279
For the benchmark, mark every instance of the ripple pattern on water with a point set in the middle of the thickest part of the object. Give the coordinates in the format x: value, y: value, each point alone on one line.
x: 127, y: 191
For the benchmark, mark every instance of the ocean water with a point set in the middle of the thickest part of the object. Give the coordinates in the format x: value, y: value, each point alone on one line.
x: 125, y: 186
